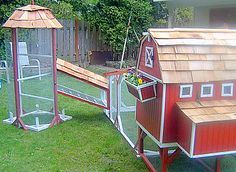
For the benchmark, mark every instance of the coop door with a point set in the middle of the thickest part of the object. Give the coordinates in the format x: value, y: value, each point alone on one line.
x: 149, y: 57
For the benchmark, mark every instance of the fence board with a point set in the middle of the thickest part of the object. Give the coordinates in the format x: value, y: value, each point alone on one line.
x: 90, y: 39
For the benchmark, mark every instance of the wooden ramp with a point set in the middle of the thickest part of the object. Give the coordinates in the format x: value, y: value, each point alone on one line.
x: 87, y: 77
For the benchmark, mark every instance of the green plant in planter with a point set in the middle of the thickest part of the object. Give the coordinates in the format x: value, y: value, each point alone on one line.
x: 134, y: 78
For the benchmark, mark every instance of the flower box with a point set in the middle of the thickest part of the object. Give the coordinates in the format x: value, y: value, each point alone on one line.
x: 144, y: 92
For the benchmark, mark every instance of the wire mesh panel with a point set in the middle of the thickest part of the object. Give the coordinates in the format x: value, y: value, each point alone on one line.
x: 10, y: 76
x: 35, y: 78
x: 122, y: 113
x: 83, y: 91
x: 113, y: 92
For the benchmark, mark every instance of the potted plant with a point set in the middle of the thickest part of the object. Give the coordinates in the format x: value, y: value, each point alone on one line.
x: 140, y: 86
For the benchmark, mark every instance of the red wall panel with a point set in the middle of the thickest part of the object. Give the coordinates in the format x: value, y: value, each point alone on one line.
x: 171, y: 110
x: 155, y: 71
x: 215, y: 137
x: 184, y: 131
x: 148, y: 114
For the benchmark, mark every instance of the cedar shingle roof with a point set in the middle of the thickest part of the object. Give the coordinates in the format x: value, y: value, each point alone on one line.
x: 196, y: 55
x: 32, y: 16
x: 209, y: 111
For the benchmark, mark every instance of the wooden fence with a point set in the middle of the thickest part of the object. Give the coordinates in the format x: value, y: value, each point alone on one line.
x: 90, y: 39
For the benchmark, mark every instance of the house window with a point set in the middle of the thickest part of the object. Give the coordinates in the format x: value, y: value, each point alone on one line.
x: 227, y: 89
x: 207, y: 90
x: 149, y: 56
x: 186, y: 91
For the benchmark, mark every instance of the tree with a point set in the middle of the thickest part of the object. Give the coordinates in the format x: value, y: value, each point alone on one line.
x: 111, y: 16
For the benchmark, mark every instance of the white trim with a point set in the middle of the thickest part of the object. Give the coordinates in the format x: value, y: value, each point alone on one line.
x: 227, y: 85
x: 184, y: 151
x: 149, y: 56
x: 181, y: 91
x: 37, y: 97
x: 161, y: 145
x: 192, y: 144
x: 128, y: 109
x: 214, y: 154
x: 35, y: 55
x: 140, y: 51
x: 163, y: 113
x: 206, y: 155
x: 207, y: 85
x: 33, y: 77
x: 150, y: 76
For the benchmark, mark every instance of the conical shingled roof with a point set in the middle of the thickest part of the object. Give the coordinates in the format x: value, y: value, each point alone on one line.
x: 32, y: 16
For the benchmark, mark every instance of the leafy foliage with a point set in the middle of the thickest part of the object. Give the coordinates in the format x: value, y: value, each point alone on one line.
x: 184, y: 16
x: 160, y: 14
x: 111, y: 16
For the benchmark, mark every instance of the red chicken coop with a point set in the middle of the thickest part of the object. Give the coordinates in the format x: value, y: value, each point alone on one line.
x: 194, y: 108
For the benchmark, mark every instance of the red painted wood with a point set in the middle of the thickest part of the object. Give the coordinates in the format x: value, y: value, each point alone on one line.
x: 148, y: 163
x: 215, y: 137
x: 164, y: 159
x: 148, y: 114
x: 18, y: 122
x: 85, y: 81
x: 140, y: 143
x: 133, y: 91
x: 56, y: 119
x: 217, y: 165
x: 155, y: 71
x: 148, y: 92
x: 184, y: 131
x: 171, y: 111
x: 172, y: 96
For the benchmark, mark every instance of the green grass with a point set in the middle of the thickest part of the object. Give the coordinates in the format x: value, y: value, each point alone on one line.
x: 89, y: 142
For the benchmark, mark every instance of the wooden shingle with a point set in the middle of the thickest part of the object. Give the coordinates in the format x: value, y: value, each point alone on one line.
x: 32, y: 16
x: 209, y: 111
x: 196, y: 55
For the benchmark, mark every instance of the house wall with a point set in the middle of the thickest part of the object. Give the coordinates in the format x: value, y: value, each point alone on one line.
x: 201, y: 17
x: 173, y: 96
x: 155, y: 71
x: 148, y: 114
x: 220, y: 136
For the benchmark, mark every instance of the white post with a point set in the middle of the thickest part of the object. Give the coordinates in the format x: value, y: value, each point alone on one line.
x: 119, y: 81
x: 37, y: 107
x: 11, y: 117
x: 37, y: 122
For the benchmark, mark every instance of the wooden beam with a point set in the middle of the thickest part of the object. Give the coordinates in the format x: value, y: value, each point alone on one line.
x: 76, y: 39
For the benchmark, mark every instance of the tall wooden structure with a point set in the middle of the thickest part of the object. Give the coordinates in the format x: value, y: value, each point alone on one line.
x: 33, y: 104
x: 195, y: 105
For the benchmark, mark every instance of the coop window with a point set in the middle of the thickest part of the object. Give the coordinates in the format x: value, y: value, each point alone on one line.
x: 227, y: 89
x: 207, y: 90
x: 149, y: 56
x: 186, y: 91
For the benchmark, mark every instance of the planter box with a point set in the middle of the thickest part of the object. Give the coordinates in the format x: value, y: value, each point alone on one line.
x: 144, y: 92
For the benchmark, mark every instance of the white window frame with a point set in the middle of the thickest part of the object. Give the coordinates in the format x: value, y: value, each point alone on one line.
x: 181, y: 91
x: 207, y: 85
x: 226, y: 85
x: 148, y: 58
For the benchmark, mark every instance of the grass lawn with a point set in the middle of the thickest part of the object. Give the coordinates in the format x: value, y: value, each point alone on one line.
x: 89, y: 142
